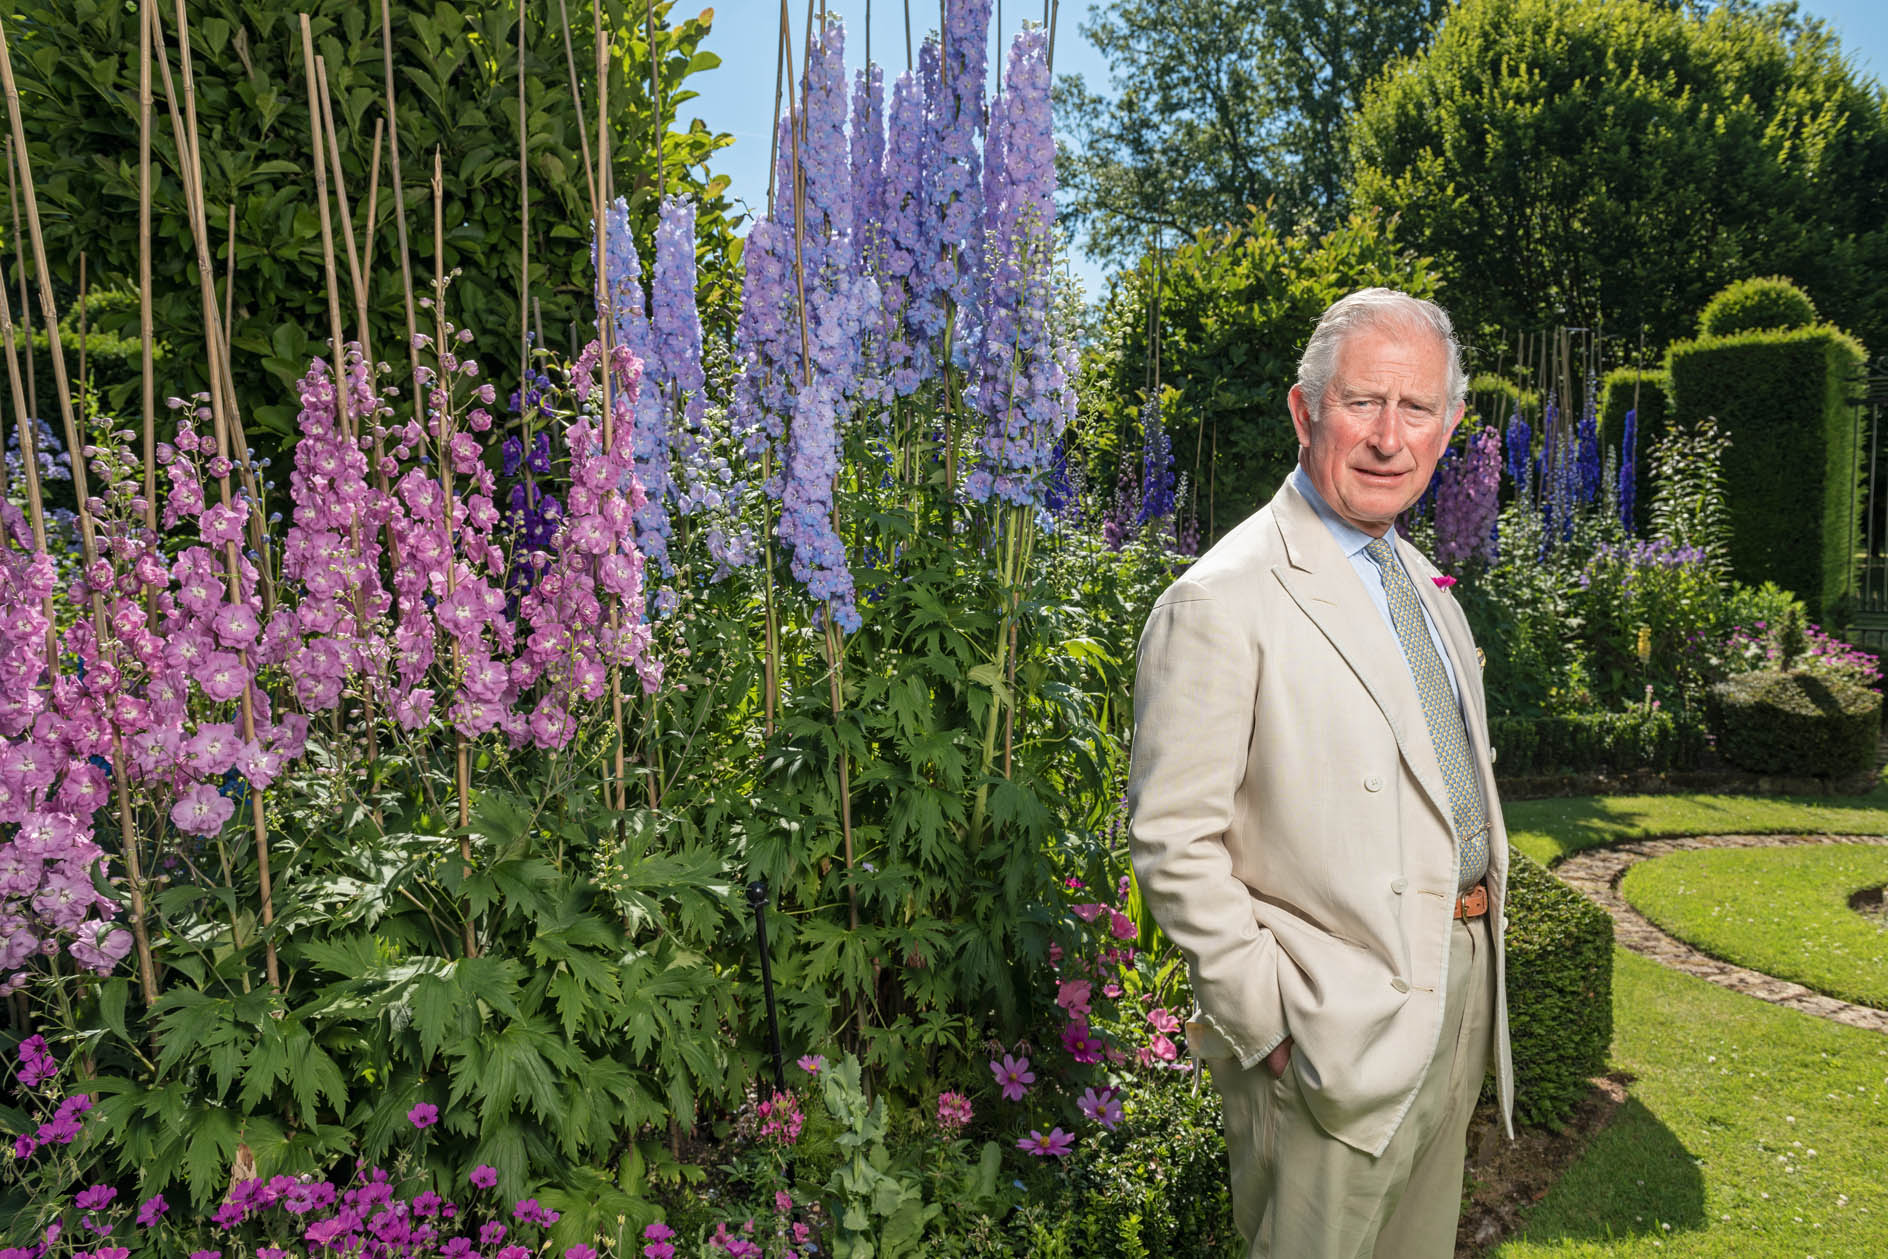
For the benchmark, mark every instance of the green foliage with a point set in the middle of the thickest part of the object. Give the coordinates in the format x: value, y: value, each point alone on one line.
x: 1796, y: 723
x: 456, y: 84
x: 1560, y: 998
x: 1236, y: 307
x: 1615, y: 163
x: 1782, y: 911
x: 1639, y: 738
x: 1221, y: 107
x: 1494, y: 397
x: 1791, y: 467
x: 1760, y: 304
x: 1690, y: 499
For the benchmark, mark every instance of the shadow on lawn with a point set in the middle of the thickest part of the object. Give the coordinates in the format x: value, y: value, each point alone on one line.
x: 1635, y: 1179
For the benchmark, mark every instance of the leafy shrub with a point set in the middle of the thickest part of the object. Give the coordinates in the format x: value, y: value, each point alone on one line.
x: 1790, y: 468
x: 1759, y: 304
x: 1648, y: 613
x: 1641, y: 738
x: 456, y: 88
x: 1770, y: 722
x: 1560, y: 992
x: 1236, y: 307
x: 1494, y: 397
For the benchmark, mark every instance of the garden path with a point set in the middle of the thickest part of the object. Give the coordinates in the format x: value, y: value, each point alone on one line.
x: 1596, y: 873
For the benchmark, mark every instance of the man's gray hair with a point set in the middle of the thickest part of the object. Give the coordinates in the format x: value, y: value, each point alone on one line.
x: 1375, y: 308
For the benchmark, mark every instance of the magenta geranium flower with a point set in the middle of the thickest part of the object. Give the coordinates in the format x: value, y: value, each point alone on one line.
x: 484, y: 1176
x: 1055, y: 1145
x: 424, y: 1115
x: 1013, y: 1076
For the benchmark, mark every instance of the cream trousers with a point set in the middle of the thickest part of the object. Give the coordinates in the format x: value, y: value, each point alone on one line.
x: 1299, y: 1193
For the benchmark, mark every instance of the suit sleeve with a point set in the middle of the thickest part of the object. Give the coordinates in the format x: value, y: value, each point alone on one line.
x: 1193, y: 710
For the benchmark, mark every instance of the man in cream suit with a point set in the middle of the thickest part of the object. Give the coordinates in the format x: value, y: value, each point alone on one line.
x: 1315, y: 821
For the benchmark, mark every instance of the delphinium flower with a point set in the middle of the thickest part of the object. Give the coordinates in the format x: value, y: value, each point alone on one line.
x: 955, y: 119
x: 650, y: 437
x: 705, y: 476
x: 1629, y: 470
x: 1520, y: 448
x: 868, y: 160
x: 570, y: 643
x: 908, y: 236
x: 1120, y: 520
x: 1468, y: 501
x: 1020, y: 383
x: 1157, y: 475
x: 1587, y: 458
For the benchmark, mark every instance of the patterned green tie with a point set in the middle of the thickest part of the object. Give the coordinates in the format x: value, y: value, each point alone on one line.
x: 1441, y: 711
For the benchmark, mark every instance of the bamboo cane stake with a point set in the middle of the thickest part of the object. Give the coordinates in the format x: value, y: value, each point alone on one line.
x: 78, y: 400
x: 373, y: 204
x: 222, y: 378
x: 524, y: 224
x: 222, y: 399
x: 355, y: 271
x: 606, y: 329
x: 317, y: 138
x: 399, y: 204
x: 29, y: 444
x: 26, y: 307
x: 229, y: 279
x: 576, y: 94
x: 907, y: 34
x: 655, y: 97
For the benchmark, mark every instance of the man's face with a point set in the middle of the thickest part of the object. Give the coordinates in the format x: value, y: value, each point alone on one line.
x: 1384, y: 422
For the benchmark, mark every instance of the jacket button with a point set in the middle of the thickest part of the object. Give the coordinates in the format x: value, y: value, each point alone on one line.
x: 1399, y: 886
x: 1373, y: 782
x: 1400, y: 984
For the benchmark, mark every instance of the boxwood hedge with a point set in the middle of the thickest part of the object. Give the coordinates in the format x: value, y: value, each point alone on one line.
x: 1560, y: 992
x: 1772, y: 722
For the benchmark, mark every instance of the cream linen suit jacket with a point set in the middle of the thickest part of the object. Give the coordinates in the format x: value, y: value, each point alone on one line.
x: 1290, y: 823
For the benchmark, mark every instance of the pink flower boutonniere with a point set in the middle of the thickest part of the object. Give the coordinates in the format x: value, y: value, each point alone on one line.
x: 1444, y: 581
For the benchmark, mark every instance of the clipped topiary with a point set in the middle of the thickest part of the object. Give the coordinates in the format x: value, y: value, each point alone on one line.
x: 1560, y: 992
x: 1760, y: 303
x: 1772, y: 722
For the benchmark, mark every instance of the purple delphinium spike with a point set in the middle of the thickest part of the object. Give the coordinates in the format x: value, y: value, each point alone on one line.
x: 957, y: 122
x: 649, y: 418
x: 1467, y: 501
x: 1629, y: 470
x: 1157, y: 482
x: 676, y: 326
x: 1520, y: 442
x: 908, y: 242
x: 1589, y: 467
x: 1020, y: 378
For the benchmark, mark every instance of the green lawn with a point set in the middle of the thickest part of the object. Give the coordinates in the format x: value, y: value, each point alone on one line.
x: 1751, y: 1132
x: 1782, y: 911
x: 1548, y: 830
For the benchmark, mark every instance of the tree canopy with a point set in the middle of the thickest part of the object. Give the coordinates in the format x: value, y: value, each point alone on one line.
x: 1574, y: 161
x: 1223, y: 105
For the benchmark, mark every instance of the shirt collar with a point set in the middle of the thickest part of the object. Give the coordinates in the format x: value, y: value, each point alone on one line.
x: 1349, y: 537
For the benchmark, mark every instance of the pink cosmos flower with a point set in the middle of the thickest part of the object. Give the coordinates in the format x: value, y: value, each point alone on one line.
x: 1014, y: 1076
x: 811, y: 1063
x: 1163, y: 1022
x: 1074, y: 995
x: 1056, y: 1144
x: 1082, y: 1046
x: 1104, y: 1107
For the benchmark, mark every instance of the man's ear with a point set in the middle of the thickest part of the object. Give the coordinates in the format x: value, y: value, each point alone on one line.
x: 1300, y: 414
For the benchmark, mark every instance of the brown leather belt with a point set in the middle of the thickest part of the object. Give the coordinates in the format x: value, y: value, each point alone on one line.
x: 1472, y: 903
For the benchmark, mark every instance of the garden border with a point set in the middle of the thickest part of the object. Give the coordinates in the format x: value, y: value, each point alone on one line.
x: 1596, y: 873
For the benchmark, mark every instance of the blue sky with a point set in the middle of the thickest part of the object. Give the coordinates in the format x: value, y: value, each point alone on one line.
x: 738, y: 97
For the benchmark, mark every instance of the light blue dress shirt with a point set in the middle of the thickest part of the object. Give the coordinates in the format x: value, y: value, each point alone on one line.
x: 1352, y: 540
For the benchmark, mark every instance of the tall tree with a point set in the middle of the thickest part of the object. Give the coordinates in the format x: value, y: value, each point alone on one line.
x: 1572, y: 161
x: 1220, y: 105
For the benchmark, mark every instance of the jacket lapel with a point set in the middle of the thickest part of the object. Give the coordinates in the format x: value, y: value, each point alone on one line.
x: 1320, y: 580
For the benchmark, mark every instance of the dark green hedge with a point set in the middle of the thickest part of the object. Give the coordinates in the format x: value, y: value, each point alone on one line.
x: 1596, y: 742
x: 1560, y: 992
x: 1770, y: 722
x: 1495, y: 397
x: 1790, y: 474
